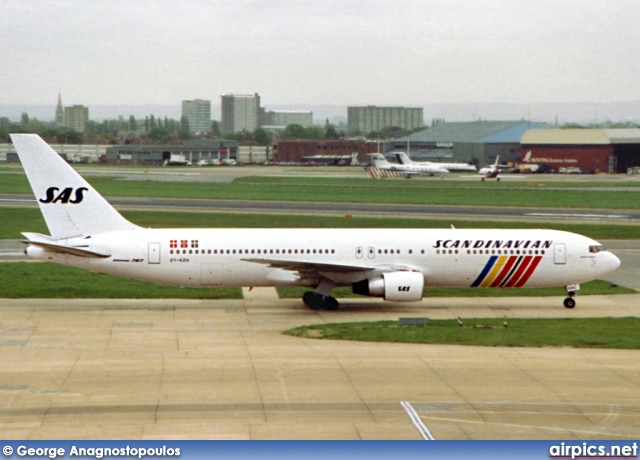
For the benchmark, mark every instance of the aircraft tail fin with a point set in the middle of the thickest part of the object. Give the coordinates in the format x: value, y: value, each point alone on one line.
x: 70, y: 205
x: 403, y: 158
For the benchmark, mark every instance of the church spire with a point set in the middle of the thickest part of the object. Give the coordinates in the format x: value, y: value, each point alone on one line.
x: 59, y: 112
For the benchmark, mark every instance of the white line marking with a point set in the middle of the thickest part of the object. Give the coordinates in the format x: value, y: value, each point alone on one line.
x: 581, y: 216
x: 417, y: 421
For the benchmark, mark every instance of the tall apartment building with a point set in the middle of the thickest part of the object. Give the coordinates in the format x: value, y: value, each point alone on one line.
x: 371, y: 118
x: 240, y: 112
x: 288, y: 117
x: 76, y: 117
x: 198, y: 112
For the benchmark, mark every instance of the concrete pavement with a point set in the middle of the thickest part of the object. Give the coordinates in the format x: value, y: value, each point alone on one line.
x: 176, y: 369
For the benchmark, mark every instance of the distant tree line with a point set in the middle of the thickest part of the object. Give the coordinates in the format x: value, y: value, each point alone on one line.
x: 155, y: 129
x: 168, y: 130
x: 107, y: 131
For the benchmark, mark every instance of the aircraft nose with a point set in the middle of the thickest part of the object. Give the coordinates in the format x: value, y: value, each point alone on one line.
x: 613, y: 263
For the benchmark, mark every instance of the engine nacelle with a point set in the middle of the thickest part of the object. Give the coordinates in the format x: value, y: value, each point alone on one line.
x: 394, y: 286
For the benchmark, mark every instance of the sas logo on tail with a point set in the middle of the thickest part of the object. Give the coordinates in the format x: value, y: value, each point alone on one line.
x: 54, y: 195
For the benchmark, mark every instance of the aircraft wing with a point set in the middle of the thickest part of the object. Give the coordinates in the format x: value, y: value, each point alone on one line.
x: 306, y: 266
x: 299, y: 265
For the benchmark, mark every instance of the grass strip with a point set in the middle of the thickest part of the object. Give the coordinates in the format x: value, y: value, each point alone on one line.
x: 354, y: 190
x: 26, y: 280
x: 615, y: 333
x: 470, y: 181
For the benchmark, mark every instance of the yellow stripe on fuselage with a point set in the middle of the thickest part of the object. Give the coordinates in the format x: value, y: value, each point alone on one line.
x: 494, y: 271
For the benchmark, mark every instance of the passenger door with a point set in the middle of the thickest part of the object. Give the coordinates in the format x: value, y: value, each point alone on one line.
x: 154, y: 253
x: 559, y: 253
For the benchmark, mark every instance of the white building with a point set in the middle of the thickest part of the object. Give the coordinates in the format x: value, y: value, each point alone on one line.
x: 198, y: 112
x: 240, y: 112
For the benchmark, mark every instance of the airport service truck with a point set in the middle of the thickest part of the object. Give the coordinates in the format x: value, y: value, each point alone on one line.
x: 176, y: 160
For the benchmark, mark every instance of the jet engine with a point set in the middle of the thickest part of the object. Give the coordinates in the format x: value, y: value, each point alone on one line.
x: 394, y: 286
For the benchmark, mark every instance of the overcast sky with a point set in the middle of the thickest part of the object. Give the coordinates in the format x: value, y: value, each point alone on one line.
x: 347, y: 52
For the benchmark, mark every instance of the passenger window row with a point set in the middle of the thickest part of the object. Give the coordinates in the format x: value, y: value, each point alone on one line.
x: 252, y: 251
x: 516, y: 252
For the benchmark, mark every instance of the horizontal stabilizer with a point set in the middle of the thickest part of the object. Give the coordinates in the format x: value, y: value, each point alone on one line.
x: 79, y: 252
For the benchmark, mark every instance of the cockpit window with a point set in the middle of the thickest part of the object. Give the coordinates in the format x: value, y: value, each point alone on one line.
x: 596, y: 249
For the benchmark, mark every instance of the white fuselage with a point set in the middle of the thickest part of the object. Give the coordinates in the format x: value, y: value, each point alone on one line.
x: 404, y: 159
x: 488, y: 170
x: 455, y: 167
x: 380, y: 162
x: 280, y: 257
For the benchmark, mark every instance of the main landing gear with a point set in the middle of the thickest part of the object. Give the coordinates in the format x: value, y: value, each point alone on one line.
x: 569, y: 302
x: 317, y: 301
x: 321, y: 299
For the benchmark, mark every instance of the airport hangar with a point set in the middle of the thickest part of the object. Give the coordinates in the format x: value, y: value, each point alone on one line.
x: 193, y: 151
x: 476, y: 142
x: 590, y: 150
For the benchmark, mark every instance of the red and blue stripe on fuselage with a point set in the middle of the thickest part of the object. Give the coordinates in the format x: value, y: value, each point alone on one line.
x: 507, y: 271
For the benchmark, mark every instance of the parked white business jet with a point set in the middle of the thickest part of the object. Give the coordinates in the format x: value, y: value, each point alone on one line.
x: 404, y: 159
x: 381, y: 163
x: 396, y: 264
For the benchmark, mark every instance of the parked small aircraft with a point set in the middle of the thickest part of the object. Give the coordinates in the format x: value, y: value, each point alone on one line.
x: 404, y: 159
x: 491, y: 171
x: 381, y: 163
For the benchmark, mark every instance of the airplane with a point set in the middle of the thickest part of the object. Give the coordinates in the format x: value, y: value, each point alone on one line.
x: 491, y: 171
x: 404, y: 159
x: 395, y: 264
x: 381, y: 163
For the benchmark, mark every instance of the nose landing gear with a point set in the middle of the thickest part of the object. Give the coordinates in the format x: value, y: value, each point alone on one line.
x: 569, y: 302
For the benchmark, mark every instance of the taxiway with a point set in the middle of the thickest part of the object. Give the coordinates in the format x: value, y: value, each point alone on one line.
x: 173, y: 369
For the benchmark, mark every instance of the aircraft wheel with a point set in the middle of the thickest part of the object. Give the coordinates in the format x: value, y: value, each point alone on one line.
x: 482, y: 179
x: 312, y: 300
x: 569, y: 302
x: 330, y: 304
x: 498, y: 179
x: 317, y: 302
